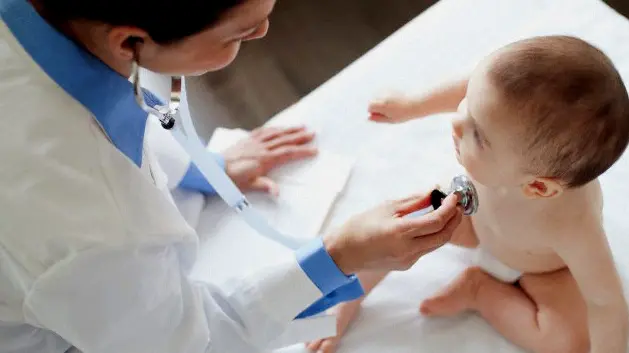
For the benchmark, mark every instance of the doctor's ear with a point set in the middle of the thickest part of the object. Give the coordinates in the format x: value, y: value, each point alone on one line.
x: 124, y: 41
x: 542, y: 188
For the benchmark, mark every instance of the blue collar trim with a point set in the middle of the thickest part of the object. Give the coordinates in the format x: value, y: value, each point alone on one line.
x: 104, y: 92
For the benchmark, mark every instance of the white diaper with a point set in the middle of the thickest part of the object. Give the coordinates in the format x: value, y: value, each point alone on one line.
x: 495, y: 267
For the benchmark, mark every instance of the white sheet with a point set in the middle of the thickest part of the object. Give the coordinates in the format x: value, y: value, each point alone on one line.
x: 391, y: 161
x: 307, y: 192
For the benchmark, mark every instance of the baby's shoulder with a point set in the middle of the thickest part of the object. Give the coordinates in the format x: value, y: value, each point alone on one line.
x: 583, y: 203
x: 583, y: 216
x: 592, y: 193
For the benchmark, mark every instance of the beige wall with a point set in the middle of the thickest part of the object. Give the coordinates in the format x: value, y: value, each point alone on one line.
x: 309, y: 41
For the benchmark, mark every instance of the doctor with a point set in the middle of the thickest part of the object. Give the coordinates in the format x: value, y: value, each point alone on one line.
x: 94, y: 255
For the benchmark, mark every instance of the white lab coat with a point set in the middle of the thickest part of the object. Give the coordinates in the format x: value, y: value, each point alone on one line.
x: 93, y: 252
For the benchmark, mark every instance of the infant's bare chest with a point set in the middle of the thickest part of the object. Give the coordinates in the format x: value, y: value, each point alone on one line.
x: 519, y: 240
x: 511, y: 229
x: 523, y: 236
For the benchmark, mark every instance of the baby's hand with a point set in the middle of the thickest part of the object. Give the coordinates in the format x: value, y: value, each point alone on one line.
x: 391, y: 110
x: 345, y: 314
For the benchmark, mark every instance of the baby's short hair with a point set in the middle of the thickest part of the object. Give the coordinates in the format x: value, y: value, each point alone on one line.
x: 571, y: 102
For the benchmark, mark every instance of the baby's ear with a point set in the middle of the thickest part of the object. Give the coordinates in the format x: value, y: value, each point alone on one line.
x: 542, y: 188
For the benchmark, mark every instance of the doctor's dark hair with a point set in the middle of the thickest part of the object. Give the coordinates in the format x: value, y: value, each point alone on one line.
x: 165, y: 21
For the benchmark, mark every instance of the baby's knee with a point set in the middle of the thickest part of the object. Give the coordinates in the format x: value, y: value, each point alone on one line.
x: 566, y: 340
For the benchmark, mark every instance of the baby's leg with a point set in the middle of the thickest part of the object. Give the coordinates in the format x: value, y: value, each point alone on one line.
x: 345, y: 315
x: 547, y: 315
x: 347, y: 312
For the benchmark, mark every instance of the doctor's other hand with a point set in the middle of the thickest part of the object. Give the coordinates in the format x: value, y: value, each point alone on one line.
x: 249, y: 160
x: 382, y: 239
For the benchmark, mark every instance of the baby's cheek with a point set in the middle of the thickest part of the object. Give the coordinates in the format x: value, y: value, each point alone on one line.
x: 474, y: 167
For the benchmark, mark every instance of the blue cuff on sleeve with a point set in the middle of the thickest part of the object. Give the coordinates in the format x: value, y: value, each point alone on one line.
x: 320, y: 268
x: 331, y: 281
x: 194, y: 179
x: 347, y: 293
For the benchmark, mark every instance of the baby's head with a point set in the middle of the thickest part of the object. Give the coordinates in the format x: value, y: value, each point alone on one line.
x: 546, y: 114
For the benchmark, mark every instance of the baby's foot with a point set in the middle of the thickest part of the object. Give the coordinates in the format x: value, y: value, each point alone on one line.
x: 458, y: 296
x: 327, y: 345
x: 345, y: 314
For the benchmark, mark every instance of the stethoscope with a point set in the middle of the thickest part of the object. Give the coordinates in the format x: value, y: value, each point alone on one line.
x: 170, y: 119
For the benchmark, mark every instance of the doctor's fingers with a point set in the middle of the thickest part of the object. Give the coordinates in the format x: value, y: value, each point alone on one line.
x: 291, y: 139
x: 419, y: 247
x: 411, y: 204
x: 265, y: 184
x: 412, y: 258
x: 431, y: 222
x: 285, y: 154
x: 265, y: 134
x: 424, y: 242
x: 413, y: 244
x: 414, y: 202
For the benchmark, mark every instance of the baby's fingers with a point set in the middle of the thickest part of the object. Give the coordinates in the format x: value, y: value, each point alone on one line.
x: 329, y: 345
x: 314, y: 345
x: 377, y: 106
x: 378, y: 110
x: 379, y: 118
x: 390, y: 110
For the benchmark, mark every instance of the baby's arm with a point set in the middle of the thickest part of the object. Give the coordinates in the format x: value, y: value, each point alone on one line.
x: 589, y: 259
x: 443, y: 99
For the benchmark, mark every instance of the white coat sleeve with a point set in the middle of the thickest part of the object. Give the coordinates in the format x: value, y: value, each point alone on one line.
x: 141, y: 301
x: 175, y: 161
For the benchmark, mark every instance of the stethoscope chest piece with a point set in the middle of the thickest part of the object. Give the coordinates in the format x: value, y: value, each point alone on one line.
x: 468, y: 198
x: 461, y: 186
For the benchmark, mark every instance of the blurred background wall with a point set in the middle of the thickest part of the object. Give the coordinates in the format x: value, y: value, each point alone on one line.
x: 309, y: 41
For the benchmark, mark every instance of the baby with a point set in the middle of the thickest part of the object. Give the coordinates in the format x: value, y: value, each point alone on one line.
x: 538, y: 122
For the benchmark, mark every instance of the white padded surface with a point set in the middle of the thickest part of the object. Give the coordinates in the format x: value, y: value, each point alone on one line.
x: 391, y: 161
x: 307, y: 192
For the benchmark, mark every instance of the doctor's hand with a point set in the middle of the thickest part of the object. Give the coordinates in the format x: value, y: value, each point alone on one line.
x: 382, y: 239
x: 248, y: 161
